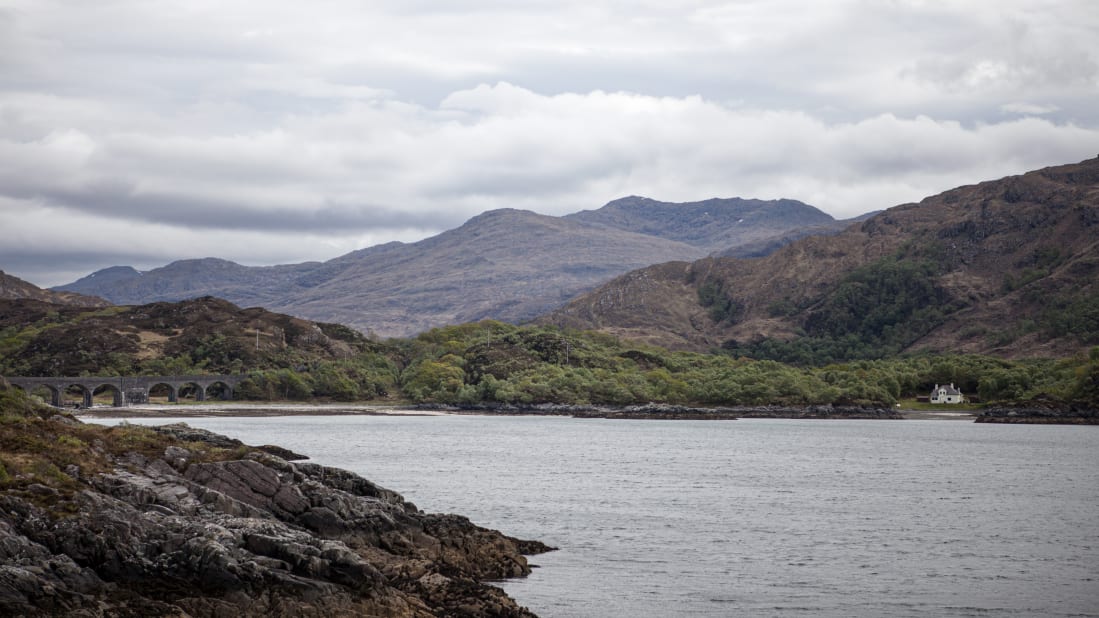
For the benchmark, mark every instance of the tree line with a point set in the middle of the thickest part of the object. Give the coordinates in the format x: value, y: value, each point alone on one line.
x: 494, y: 362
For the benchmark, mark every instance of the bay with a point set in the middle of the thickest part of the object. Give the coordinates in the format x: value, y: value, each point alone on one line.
x: 751, y: 517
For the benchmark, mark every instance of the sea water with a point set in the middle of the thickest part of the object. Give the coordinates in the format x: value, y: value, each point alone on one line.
x: 747, y: 517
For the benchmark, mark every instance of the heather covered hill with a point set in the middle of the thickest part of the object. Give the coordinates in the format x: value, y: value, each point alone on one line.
x: 1008, y: 267
x: 12, y: 287
x: 204, y: 335
x: 505, y: 264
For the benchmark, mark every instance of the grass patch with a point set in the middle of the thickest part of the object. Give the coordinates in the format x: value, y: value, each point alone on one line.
x: 919, y: 406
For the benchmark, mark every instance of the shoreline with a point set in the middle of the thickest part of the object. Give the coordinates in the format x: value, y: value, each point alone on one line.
x: 651, y: 412
x: 177, y: 520
x: 236, y: 409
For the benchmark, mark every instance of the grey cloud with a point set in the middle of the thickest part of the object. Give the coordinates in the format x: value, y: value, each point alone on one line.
x: 196, y: 212
x: 358, y: 123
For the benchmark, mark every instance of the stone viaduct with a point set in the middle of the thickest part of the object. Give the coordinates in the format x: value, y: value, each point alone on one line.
x: 129, y: 389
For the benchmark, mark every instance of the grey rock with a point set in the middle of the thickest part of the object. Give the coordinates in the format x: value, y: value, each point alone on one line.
x: 258, y: 536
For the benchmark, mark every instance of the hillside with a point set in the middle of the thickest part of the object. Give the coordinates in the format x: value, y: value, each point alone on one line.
x: 712, y: 225
x: 496, y: 366
x: 12, y: 287
x: 506, y: 264
x: 201, y: 335
x: 1008, y: 267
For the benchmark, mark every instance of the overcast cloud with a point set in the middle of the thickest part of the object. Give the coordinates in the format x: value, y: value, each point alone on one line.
x: 135, y: 132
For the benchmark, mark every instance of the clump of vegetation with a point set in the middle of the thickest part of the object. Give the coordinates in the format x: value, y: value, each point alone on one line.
x: 1038, y: 265
x: 886, y: 305
x: 1075, y: 315
x: 722, y: 308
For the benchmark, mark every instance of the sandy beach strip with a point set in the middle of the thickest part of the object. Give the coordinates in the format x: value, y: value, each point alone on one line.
x: 249, y: 409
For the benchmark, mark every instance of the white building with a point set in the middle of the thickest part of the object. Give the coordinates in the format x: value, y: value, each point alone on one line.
x: 946, y: 394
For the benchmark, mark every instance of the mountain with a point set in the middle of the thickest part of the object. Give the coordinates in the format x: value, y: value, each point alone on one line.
x: 505, y: 264
x: 712, y: 225
x: 183, y: 279
x: 1008, y: 267
x: 100, y: 279
x: 12, y: 287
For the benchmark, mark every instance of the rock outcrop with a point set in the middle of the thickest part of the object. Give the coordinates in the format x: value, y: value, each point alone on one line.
x: 176, y: 532
x: 1040, y: 413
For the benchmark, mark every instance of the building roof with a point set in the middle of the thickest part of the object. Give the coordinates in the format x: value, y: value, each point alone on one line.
x: 946, y: 390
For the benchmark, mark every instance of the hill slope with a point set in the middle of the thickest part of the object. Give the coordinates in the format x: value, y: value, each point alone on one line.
x: 12, y: 287
x: 201, y: 335
x: 506, y: 264
x: 1008, y: 267
x: 711, y: 225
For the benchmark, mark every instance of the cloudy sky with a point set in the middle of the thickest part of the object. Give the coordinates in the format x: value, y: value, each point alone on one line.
x: 137, y: 132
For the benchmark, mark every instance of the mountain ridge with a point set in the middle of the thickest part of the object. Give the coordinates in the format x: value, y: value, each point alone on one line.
x: 505, y: 264
x: 714, y: 224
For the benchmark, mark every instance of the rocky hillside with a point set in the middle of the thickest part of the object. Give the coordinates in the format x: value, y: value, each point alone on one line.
x: 1008, y: 267
x: 714, y: 225
x: 12, y: 287
x: 205, y: 334
x: 507, y: 264
x: 173, y: 521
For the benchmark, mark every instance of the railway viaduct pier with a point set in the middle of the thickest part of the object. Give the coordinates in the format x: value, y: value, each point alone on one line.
x: 130, y: 389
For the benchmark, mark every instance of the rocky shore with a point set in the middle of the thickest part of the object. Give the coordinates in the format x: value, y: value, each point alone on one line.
x: 1039, y: 414
x: 674, y: 412
x: 176, y: 521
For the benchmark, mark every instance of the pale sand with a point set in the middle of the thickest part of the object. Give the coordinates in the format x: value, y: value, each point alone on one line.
x: 932, y: 415
x: 249, y: 409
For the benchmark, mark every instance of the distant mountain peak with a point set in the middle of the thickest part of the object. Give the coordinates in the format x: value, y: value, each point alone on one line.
x: 115, y: 272
x: 505, y: 214
x: 508, y: 264
x: 101, y: 280
x: 713, y: 225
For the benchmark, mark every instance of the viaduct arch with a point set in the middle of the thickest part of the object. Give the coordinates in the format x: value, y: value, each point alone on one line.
x: 129, y: 389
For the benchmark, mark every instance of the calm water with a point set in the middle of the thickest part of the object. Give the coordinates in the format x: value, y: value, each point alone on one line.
x: 748, y: 517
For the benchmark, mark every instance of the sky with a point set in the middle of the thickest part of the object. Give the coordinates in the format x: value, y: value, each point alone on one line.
x: 268, y: 132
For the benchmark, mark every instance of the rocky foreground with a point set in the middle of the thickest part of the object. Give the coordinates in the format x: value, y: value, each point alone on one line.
x: 175, y: 521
